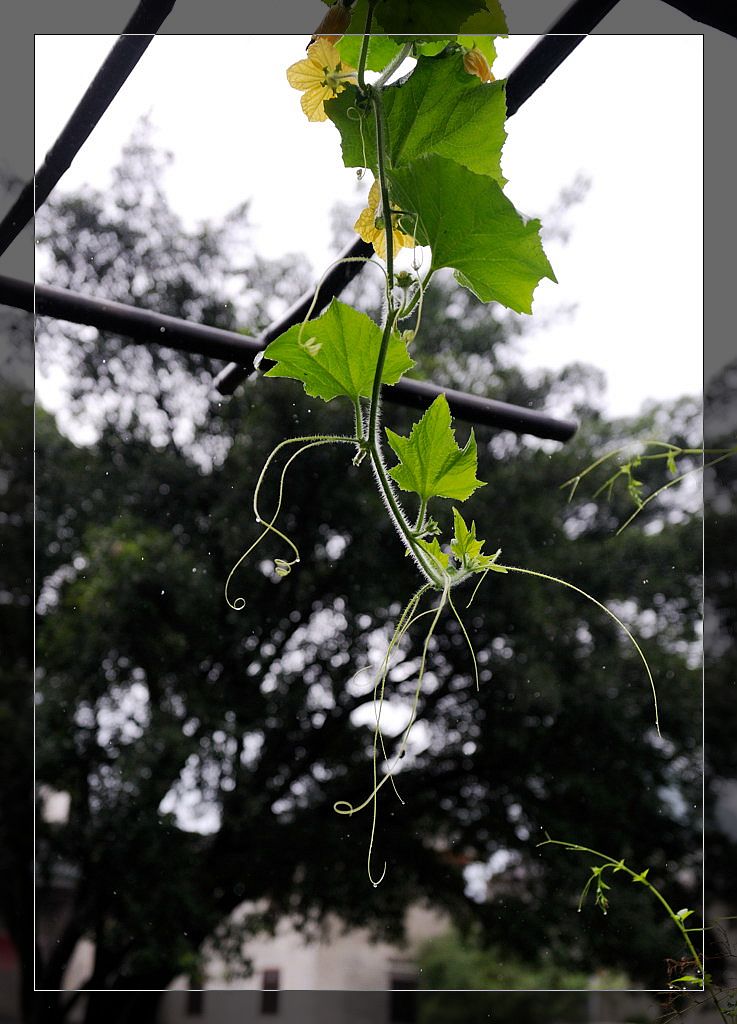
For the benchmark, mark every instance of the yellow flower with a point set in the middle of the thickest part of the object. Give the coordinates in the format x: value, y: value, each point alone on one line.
x: 370, y: 225
x: 476, y: 64
x: 320, y: 76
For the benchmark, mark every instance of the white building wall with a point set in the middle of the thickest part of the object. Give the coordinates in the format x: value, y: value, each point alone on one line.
x: 346, y: 972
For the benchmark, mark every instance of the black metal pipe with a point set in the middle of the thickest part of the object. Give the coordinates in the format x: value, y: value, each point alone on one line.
x: 332, y: 285
x: 142, y: 325
x: 147, y: 327
x: 549, y: 52
x: 102, y: 90
x: 718, y: 14
x: 487, y: 412
x: 535, y: 68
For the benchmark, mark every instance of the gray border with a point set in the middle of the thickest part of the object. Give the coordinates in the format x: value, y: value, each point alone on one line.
x: 222, y: 16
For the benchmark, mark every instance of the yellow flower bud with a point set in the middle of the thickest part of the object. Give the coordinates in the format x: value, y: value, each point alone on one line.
x: 333, y: 25
x: 476, y: 64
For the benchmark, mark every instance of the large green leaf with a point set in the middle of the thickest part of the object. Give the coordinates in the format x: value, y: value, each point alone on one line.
x: 381, y: 48
x: 430, y: 462
x: 439, y: 108
x: 336, y: 354
x: 408, y: 18
x: 472, y: 227
x: 439, y: 17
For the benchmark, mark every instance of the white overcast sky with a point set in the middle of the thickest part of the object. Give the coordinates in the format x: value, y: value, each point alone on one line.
x: 624, y: 111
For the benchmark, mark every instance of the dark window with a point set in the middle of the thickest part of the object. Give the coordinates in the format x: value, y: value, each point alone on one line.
x: 195, y: 1003
x: 402, y: 1002
x: 270, y: 992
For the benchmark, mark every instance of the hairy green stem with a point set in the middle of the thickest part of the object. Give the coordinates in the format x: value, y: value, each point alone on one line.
x: 376, y: 389
x: 360, y: 434
x: 418, y: 296
x: 365, y: 46
x: 374, y: 443
x: 426, y: 566
x: 392, y: 66
x: 421, y: 515
x: 391, y: 312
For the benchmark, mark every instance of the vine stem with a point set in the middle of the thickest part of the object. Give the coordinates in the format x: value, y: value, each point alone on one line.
x: 365, y: 45
x: 609, y: 612
x: 671, y: 483
x: 310, y: 441
x: 392, y: 66
x: 386, y: 214
x: 619, y: 865
x: 372, y: 441
x: 421, y: 515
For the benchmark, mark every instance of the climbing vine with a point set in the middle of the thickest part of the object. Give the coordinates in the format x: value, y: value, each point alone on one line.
x: 431, y: 141
x: 622, y: 465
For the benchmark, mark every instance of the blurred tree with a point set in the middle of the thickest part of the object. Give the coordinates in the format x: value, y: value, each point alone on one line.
x: 203, y: 749
x: 16, y: 669
x: 452, y: 964
x: 720, y: 646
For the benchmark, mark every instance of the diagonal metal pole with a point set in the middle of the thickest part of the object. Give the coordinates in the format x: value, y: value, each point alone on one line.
x: 533, y: 70
x: 147, y: 327
x: 718, y: 14
x: 102, y: 90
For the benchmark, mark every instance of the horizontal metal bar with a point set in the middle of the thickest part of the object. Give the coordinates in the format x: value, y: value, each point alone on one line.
x: 487, y: 412
x: 147, y: 327
x: 332, y: 285
x: 142, y: 325
x: 534, y: 69
x: 102, y: 90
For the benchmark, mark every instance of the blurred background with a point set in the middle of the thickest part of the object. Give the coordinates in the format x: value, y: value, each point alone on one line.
x: 188, y: 756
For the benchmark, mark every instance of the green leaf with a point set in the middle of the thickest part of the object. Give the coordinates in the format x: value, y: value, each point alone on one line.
x: 440, y: 108
x: 467, y: 549
x: 472, y: 227
x: 435, y: 551
x: 336, y: 354
x: 381, y: 48
x: 430, y: 47
x: 489, y: 21
x: 430, y: 462
x: 438, y: 17
x: 432, y: 18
